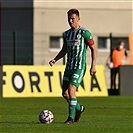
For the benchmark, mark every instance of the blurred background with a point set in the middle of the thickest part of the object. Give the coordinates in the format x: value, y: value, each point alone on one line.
x: 31, y: 30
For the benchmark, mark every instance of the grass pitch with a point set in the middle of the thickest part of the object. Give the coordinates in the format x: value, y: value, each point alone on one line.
x: 111, y: 114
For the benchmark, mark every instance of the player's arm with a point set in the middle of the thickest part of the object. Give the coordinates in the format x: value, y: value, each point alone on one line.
x: 59, y: 55
x: 90, y: 42
x: 93, y: 56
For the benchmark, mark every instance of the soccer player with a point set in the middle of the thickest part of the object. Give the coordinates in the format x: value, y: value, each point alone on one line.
x: 76, y: 41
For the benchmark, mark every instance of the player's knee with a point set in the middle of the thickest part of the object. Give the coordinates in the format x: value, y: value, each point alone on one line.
x: 72, y: 90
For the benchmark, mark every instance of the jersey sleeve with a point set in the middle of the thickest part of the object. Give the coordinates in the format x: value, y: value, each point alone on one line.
x: 64, y: 37
x: 88, y: 38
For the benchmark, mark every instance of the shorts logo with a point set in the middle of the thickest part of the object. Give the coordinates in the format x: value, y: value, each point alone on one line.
x: 75, y: 76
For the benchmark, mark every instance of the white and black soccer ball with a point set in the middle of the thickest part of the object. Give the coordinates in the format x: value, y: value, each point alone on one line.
x: 46, y: 117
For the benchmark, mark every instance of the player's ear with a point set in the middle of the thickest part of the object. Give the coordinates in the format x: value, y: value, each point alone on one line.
x: 78, y: 19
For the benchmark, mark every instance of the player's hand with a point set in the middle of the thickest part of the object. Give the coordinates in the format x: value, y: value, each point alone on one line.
x: 52, y: 62
x: 92, y: 71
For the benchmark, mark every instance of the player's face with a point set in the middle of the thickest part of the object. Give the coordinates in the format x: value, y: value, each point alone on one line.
x: 73, y: 21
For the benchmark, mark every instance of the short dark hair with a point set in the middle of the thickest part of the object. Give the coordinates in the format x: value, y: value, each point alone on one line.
x: 73, y: 11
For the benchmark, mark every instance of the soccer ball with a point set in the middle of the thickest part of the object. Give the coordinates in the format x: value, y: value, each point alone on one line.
x: 46, y: 117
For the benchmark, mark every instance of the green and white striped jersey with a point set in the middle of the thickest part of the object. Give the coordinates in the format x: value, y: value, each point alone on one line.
x: 76, y: 42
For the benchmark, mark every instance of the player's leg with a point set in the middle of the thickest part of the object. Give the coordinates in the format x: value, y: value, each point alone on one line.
x: 65, y: 92
x: 72, y: 108
x: 77, y: 77
x: 78, y: 107
x: 70, y: 94
x: 72, y: 103
x: 65, y: 85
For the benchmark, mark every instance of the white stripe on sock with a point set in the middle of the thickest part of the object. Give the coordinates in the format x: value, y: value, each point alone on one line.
x: 73, y: 102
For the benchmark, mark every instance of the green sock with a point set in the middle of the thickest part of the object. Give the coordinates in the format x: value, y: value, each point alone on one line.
x: 72, y: 105
x: 77, y: 107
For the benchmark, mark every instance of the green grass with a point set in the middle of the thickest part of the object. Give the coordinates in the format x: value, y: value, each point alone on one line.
x: 102, y: 115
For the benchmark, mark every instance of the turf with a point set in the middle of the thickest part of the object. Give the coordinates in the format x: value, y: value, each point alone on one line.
x: 111, y: 114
